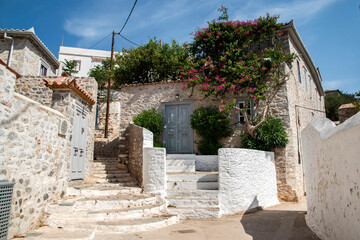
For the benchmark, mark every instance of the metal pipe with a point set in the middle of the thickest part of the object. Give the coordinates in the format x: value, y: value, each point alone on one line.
x: 11, y: 48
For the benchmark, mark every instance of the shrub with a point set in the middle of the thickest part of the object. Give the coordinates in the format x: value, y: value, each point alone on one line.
x: 211, y: 125
x: 152, y: 121
x: 270, y: 135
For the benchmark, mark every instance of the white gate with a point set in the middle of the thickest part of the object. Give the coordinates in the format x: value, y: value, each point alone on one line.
x: 78, y: 146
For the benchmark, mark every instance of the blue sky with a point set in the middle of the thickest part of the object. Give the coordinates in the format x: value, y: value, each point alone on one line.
x: 330, y: 29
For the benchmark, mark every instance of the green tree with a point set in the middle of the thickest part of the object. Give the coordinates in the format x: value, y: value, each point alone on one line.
x: 151, y: 62
x: 69, y: 67
x: 101, y: 72
x: 333, y: 101
x: 240, y: 59
x: 152, y: 121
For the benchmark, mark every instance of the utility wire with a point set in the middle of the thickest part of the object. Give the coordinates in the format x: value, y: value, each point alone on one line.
x: 129, y: 40
x: 128, y: 17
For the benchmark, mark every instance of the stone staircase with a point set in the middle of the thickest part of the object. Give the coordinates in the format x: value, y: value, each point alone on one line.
x: 109, y: 202
x: 191, y: 193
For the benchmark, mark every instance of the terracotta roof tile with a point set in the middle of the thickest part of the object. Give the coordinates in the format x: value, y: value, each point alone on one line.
x: 69, y: 83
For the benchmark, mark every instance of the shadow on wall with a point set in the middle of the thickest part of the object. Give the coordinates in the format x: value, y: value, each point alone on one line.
x: 275, y: 224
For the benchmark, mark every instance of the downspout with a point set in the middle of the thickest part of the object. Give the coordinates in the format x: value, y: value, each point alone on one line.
x: 11, y: 48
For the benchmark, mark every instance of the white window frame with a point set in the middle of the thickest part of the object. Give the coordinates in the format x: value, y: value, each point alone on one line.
x: 305, y: 79
x: 310, y: 87
x: 250, y: 110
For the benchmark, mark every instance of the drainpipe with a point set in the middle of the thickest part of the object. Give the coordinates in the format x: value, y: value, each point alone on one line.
x: 11, y: 49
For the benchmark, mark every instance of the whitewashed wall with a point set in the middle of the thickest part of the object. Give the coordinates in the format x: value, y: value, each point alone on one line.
x: 154, y: 170
x: 206, y: 163
x: 332, y: 174
x: 247, y: 179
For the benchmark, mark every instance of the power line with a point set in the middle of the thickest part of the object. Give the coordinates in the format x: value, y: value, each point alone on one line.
x: 128, y: 17
x: 129, y: 40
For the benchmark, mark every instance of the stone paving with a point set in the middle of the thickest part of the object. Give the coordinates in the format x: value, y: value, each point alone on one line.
x: 284, y: 222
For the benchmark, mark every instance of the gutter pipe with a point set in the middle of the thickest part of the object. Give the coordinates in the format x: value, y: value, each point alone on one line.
x: 11, y: 48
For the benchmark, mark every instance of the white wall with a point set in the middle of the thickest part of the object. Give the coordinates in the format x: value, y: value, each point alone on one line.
x: 332, y: 174
x: 154, y: 170
x: 206, y: 163
x: 85, y: 56
x: 247, y: 179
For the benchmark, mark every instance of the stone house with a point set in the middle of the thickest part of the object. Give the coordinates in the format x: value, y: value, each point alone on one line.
x: 24, y: 52
x: 297, y: 103
x: 46, y: 140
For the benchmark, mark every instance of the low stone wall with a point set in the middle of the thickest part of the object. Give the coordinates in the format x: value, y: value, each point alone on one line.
x: 35, y: 89
x: 139, y: 138
x: 332, y: 167
x: 247, y: 179
x: 206, y: 163
x: 154, y: 170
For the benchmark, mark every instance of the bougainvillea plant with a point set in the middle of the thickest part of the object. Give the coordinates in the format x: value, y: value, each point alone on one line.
x: 237, y: 58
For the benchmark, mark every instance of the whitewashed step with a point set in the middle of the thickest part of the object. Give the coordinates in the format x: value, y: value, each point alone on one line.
x: 125, y: 182
x: 180, y: 162
x: 192, y: 193
x: 100, y: 203
x: 184, y: 168
x: 100, y: 190
x: 101, y: 164
x: 191, y: 212
x: 180, y: 156
x: 193, y: 176
x: 193, y: 202
x: 122, y: 226
x: 192, y: 185
x: 107, y: 214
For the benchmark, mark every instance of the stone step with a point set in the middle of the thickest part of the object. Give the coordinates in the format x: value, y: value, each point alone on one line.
x: 193, y: 202
x: 107, y: 214
x: 122, y: 181
x: 110, y: 161
x: 123, y: 155
x: 111, y: 175
x: 192, y: 193
x: 184, y: 168
x: 199, y: 212
x: 101, y: 164
x: 104, y: 202
x: 193, y: 176
x: 90, y: 190
x: 109, y: 171
x: 105, y: 167
x: 192, y: 185
x: 180, y: 156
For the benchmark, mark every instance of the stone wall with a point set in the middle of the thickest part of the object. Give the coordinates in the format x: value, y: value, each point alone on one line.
x: 332, y: 166
x: 32, y: 154
x: 139, y: 138
x: 26, y: 58
x: 247, y: 179
x: 35, y: 89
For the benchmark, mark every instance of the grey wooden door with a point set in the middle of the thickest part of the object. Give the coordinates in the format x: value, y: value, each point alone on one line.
x: 178, y: 134
x: 78, y: 146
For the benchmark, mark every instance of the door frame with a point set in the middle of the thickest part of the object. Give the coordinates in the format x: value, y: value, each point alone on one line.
x: 191, y: 133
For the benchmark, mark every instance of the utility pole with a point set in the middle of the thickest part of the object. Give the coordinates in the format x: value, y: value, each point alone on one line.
x: 109, y: 87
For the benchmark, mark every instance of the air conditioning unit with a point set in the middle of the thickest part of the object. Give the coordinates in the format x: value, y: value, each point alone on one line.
x: 63, y: 127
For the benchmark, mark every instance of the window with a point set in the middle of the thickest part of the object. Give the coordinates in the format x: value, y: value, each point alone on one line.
x: 43, y: 70
x: 310, y: 87
x: 78, y: 65
x: 241, y: 104
x: 299, y: 73
x: 317, y: 99
x: 305, y: 79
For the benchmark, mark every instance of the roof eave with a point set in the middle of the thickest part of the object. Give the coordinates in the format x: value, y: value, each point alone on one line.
x: 290, y: 28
